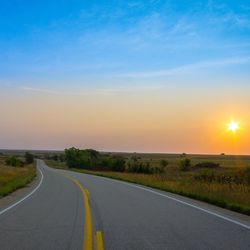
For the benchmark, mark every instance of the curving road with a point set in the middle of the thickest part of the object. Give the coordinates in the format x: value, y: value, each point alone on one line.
x: 55, y: 216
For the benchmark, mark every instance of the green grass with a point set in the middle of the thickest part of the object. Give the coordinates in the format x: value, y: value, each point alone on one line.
x: 230, y: 195
x: 13, y: 178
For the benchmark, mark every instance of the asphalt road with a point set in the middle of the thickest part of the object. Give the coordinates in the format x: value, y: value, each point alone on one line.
x: 128, y: 217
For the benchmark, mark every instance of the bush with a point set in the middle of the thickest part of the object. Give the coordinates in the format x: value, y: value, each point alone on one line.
x: 14, y: 162
x: 185, y: 164
x: 207, y: 165
x: 163, y: 163
x: 29, y: 158
x: 118, y: 164
x: 140, y: 167
x: 210, y: 175
x: 247, y: 175
x: 205, y: 175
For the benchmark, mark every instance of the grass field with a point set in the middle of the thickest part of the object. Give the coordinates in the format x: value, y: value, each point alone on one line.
x: 12, y: 178
x: 228, y: 186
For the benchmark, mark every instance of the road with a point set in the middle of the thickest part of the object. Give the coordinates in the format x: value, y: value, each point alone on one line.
x: 67, y: 209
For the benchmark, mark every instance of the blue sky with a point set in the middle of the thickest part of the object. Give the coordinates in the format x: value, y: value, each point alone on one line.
x: 55, y: 45
x: 155, y: 76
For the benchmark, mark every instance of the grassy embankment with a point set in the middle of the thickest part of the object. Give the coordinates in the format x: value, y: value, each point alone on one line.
x: 215, y: 186
x: 13, y: 178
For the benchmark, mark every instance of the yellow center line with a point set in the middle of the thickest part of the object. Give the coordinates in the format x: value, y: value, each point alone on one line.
x: 87, y: 239
x: 98, y: 241
x: 87, y: 245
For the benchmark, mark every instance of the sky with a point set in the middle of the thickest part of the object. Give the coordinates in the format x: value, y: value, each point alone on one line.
x: 144, y: 76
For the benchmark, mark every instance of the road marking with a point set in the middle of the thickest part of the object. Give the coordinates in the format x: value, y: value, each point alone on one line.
x: 87, y: 239
x: 98, y: 241
x: 27, y: 196
x: 179, y: 201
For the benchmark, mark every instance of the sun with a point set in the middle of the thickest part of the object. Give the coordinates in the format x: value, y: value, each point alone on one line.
x: 233, y: 126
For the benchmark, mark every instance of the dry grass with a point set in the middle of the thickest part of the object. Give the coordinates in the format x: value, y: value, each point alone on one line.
x: 231, y: 195
x: 234, y: 197
x: 12, y: 178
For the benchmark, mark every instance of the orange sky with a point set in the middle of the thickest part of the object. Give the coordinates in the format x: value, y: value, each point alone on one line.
x: 172, y: 119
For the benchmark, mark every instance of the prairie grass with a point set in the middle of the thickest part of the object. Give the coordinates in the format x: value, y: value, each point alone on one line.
x: 233, y: 197
x: 225, y: 187
x: 12, y: 178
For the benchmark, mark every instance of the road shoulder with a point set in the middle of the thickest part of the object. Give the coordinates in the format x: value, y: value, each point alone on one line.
x: 20, y: 193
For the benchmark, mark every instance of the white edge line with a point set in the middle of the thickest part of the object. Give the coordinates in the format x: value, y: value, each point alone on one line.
x: 177, y: 200
x: 27, y: 196
x: 194, y: 206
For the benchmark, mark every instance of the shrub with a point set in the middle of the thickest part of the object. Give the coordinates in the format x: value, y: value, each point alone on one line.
x: 29, y: 158
x: 163, y: 163
x: 247, y: 175
x: 140, y: 167
x: 207, y: 165
x: 205, y: 175
x: 185, y: 164
x: 54, y: 157
x: 14, y: 162
x: 118, y: 164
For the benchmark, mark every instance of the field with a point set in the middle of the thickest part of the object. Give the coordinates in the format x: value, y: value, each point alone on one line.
x: 227, y: 186
x: 12, y: 178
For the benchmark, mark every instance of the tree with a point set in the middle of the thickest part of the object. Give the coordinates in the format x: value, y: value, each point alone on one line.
x: 163, y: 163
x: 29, y: 158
x: 118, y: 164
x: 76, y: 158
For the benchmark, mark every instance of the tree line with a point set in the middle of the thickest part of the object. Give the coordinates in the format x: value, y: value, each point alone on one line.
x: 91, y: 159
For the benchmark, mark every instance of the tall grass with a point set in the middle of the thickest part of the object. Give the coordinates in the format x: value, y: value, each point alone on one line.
x: 226, y: 186
x: 12, y: 178
x: 233, y: 197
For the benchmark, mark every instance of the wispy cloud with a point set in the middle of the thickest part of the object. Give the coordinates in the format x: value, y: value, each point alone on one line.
x: 40, y: 90
x: 96, y: 91
x: 224, y: 14
x: 188, y: 68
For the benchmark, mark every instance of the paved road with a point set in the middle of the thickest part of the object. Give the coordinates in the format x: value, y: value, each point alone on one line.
x: 128, y: 216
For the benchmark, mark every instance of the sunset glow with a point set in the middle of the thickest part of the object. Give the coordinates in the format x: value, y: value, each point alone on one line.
x: 233, y: 126
x: 145, y: 76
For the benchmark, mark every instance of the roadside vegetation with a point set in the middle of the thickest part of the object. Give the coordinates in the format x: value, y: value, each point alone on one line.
x: 15, y: 172
x: 221, y: 180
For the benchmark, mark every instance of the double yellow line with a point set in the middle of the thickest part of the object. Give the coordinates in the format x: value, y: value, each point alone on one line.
x: 87, y: 238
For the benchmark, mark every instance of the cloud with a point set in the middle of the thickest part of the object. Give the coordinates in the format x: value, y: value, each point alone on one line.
x: 188, y: 68
x: 40, y: 90
x: 96, y: 91
x: 225, y: 14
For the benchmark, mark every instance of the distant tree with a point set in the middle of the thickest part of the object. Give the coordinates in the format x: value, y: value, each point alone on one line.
x: 76, y: 158
x: 163, y: 163
x: 29, y: 158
